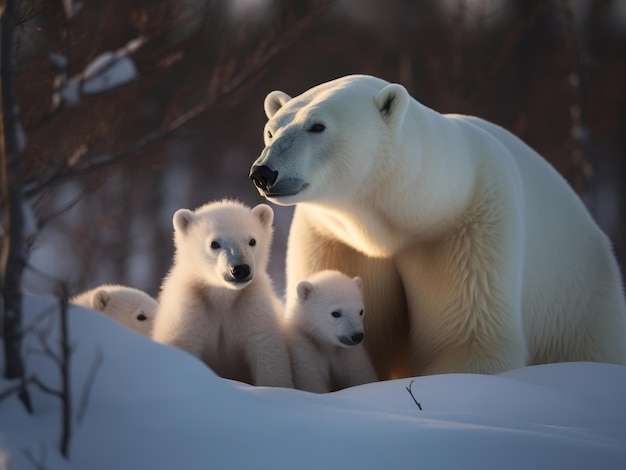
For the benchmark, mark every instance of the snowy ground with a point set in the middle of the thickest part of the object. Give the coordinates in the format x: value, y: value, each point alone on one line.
x: 155, y: 407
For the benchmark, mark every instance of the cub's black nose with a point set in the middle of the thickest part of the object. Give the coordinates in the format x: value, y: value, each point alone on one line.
x: 357, y: 338
x: 263, y: 177
x: 240, y: 272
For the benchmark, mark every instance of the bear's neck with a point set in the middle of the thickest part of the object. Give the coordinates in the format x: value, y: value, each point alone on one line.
x: 414, y: 194
x: 215, y: 298
x: 322, y: 345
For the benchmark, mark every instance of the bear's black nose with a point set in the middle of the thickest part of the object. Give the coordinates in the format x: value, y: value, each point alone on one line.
x: 263, y: 177
x: 357, y: 338
x: 240, y: 272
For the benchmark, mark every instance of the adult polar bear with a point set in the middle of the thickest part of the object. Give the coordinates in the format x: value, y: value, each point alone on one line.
x: 476, y: 255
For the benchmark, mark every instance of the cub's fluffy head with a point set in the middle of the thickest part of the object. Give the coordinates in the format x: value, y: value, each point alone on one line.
x: 324, y: 144
x: 224, y: 243
x: 329, y: 307
x: 131, y: 307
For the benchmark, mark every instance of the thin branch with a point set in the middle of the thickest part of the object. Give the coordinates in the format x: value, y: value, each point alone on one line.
x: 43, y: 387
x: 258, y: 62
x: 66, y: 352
x: 71, y: 204
x: 32, y: 380
x: 89, y: 381
x: 10, y: 391
x: 32, y: 13
x: 38, y: 318
x: 408, y: 389
x: 47, y: 350
x: 31, y: 458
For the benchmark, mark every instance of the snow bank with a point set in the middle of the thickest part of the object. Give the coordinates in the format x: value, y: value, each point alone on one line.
x: 155, y: 407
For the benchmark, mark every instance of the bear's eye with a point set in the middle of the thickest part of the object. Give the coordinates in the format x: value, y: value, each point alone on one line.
x: 252, y: 242
x: 141, y: 317
x: 215, y: 245
x: 269, y: 134
x: 361, y: 313
x: 336, y: 314
x: 317, y: 127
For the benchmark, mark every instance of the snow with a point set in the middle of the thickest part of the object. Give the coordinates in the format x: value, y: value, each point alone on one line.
x: 107, y: 71
x: 110, y: 70
x: 152, y: 406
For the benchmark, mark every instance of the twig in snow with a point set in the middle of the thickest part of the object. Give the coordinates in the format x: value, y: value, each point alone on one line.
x: 408, y: 389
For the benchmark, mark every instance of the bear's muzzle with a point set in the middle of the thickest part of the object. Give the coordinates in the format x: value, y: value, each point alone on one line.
x: 263, y: 177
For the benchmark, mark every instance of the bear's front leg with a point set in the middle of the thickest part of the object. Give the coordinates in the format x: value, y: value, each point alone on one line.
x: 267, y: 355
x: 182, y: 323
x: 310, y: 366
x: 465, y: 307
x: 355, y: 368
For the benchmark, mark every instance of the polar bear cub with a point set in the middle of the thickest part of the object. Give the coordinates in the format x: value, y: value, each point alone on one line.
x: 131, y: 307
x: 218, y: 302
x: 325, y: 333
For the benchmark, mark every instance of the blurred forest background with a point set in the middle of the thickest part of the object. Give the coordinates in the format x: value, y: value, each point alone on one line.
x: 106, y: 167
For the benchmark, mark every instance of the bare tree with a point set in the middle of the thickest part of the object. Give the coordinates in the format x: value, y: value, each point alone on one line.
x: 13, y: 257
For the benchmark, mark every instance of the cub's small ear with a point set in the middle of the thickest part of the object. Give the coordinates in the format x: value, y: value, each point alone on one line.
x: 265, y: 214
x: 182, y: 219
x: 304, y: 289
x: 392, y: 103
x: 359, y: 282
x: 100, y: 300
x: 274, y: 101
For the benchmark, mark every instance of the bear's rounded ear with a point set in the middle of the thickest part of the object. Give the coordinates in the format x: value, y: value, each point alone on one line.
x: 100, y: 300
x: 265, y: 214
x: 274, y: 101
x: 392, y: 102
x: 182, y: 219
x: 304, y: 289
x: 359, y: 282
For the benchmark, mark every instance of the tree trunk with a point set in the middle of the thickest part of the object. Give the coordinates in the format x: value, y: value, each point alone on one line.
x: 13, y: 256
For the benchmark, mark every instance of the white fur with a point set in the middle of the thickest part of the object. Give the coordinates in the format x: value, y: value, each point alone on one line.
x: 324, y: 353
x: 131, y: 307
x: 232, y: 326
x: 476, y: 255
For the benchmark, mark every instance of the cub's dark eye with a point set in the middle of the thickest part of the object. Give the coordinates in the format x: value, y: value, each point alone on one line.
x: 215, y: 245
x: 317, y: 127
x: 361, y: 313
x: 252, y: 242
x: 336, y: 314
x: 141, y: 317
x: 269, y: 134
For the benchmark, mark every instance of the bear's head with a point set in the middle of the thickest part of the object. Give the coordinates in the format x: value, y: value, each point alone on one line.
x: 224, y: 243
x: 131, y: 307
x: 324, y: 145
x: 330, y: 308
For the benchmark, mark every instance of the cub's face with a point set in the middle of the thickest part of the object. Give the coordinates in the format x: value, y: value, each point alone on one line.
x: 230, y: 259
x: 344, y: 325
x: 224, y: 246
x: 130, y: 309
x: 332, y: 311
